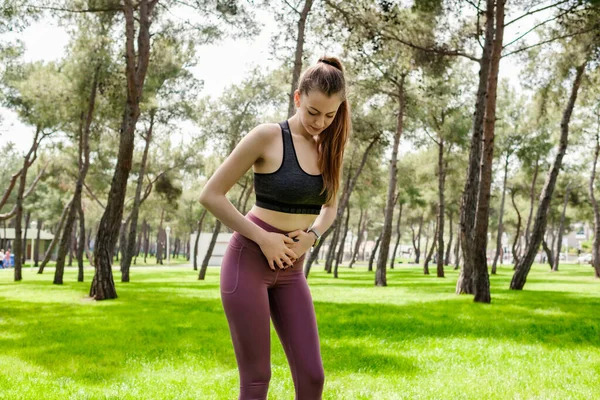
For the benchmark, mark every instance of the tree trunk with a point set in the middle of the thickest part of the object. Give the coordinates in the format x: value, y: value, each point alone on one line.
x: 82, y: 242
x: 298, y: 54
x: 561, y: 228
x: 337, y: 227
x: 26, y: 229
x: 397, y: 244
x: 501, y: 216
x: 83, y: 166
x: 531, y: 200
x: 359, y: 234
x: 147, y: 241
x: 596, y: 208
x: 73, y: 245
x: 441, y: 210
x: 548, y: 252
x: 200, y: 224
x: 470, y: 195
x: 457, y: 253
x: 430, y: 253
x: 211, y: 246
x: 416, y: 239
x: 54, y: 241
x: 340, y: 253
x: 515, y: 252
x: 449, y: 247
x: 129, y: 245
x: 138, y: 246
x: 386, y: 237
x: 18, y: 243
x: 481, y: 280
x: 36, y: 247
x: 524, y: 265
x: 372, y: 258
x: 103, y: 286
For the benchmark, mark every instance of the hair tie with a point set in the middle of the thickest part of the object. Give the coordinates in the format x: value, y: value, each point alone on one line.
x: 328, y: 63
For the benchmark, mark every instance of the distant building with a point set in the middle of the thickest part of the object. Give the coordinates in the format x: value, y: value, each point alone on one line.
x: 7, y: 237
x: 218, y: 251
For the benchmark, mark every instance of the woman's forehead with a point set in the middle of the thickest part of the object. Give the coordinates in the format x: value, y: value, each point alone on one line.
x: 322, y: 102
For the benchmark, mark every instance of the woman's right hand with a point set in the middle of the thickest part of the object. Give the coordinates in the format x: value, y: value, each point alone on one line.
x: 274, y: 247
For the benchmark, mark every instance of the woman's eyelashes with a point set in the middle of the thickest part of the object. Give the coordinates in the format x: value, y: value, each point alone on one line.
x: 327, y: 116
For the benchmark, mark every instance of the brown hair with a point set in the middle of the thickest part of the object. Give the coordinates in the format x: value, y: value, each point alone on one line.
x: 327, y: 76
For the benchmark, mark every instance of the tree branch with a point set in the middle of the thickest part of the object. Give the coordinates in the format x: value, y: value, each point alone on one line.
x: 292, y: 7
x: 535, y: 11
x: 538, y: 25
x: 93, y: 196
x: 10, y: 187
x: 551, y: 40
x: 86, y: 10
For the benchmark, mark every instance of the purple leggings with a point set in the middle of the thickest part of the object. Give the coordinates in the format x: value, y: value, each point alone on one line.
x: 251, y: 293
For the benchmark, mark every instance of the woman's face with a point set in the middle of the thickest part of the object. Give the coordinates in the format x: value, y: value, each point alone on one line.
x: 316, y: 110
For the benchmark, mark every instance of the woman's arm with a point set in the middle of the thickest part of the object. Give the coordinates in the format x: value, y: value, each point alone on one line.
x: 241, y: 159
x: 326, y: 217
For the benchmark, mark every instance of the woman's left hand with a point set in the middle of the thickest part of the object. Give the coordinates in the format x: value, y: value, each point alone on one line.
x: 304, y: 241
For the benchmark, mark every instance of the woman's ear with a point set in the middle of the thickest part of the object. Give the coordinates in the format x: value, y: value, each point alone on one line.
x: 297, y: 98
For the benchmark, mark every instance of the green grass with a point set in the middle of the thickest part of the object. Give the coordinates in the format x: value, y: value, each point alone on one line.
x: 166, y: 337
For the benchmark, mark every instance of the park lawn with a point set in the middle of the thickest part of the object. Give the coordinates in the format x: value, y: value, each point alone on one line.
x: 166, y: 337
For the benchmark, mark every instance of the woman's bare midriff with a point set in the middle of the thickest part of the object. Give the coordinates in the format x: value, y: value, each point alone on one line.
x: 284, y: 221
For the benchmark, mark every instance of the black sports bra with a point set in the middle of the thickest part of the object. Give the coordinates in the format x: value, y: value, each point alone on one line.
x: 289, y: 189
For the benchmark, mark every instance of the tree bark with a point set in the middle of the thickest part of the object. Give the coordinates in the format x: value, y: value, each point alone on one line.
x: 515, y: 252
x: 103, y: 286
x: 211, y: 246
x: 531, y: 200
x: 596, y: 209
x: 449, y: 247
x: 468, y: 208
x: 50, y: 250
x: 82, y: 243
x: 26, y: 229
x: 441, y: 209
x: 524, y: 265
x: 36, y: 247
x: 18, y: 243
x: 380, y: 274
x: 372, y: 258
x: 561, y: 228
x: 83, y: 166
x: 481, y: 280
x: 457, y: 253
x: 416, y: 239
x: 298, y: 54
x: 129, y: 245
x: 200, y: 224
x: 397, y: 244
x: 501, y: 217
x: 359, y: 233
x: 548, y: 251
x: 430, y: 252
x: 340, y: 253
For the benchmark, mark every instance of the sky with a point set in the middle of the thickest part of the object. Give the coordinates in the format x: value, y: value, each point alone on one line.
x: 46, y: 41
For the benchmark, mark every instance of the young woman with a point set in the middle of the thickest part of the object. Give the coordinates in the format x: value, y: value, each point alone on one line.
x: 297, y: 166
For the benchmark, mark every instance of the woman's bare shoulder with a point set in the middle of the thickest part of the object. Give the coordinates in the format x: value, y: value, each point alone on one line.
x: 266, y: 131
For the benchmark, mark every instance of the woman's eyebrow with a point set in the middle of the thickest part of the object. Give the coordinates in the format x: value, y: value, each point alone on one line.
x: 330, y: 112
